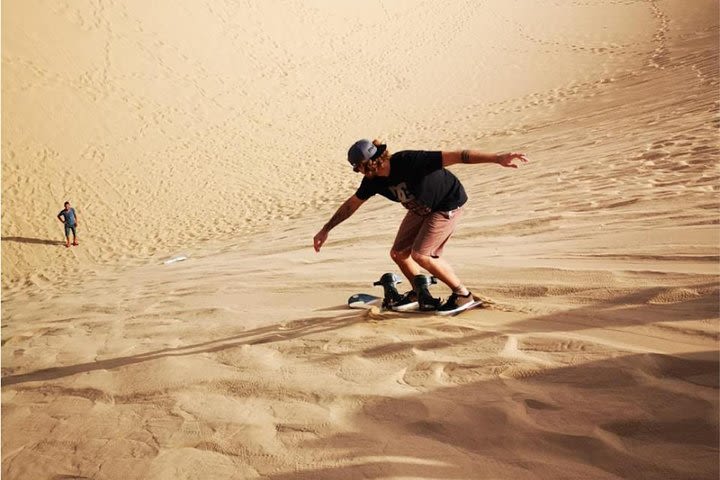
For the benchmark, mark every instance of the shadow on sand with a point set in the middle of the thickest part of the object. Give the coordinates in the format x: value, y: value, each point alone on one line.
x: 36, y: 241
x: 269, y: 334
x: 612, y: 418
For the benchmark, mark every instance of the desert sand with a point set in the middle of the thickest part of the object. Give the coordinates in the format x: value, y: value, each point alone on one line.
x: 217, y: 131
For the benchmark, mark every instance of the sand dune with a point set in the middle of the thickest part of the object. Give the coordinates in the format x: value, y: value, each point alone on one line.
x: 217, y: 132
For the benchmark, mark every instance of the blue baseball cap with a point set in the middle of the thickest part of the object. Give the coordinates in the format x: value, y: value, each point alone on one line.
x: 364, y: 150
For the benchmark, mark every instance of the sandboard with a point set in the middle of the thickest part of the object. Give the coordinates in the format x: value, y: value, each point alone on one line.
x: 366, y: 301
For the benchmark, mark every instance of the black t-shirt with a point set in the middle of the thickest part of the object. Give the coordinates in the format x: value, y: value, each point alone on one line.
x: 417, y: 180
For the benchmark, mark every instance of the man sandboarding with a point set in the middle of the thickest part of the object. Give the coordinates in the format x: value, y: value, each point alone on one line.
x: 434, y: 198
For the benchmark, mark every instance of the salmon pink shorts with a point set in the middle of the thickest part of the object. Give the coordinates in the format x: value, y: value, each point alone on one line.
x: 426, y: 235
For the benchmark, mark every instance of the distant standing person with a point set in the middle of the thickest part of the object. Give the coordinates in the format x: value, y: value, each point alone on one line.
x: 434, y: 198
x: 68, y: 217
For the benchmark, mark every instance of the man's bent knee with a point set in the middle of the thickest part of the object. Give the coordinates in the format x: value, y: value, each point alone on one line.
x: 399, y: 255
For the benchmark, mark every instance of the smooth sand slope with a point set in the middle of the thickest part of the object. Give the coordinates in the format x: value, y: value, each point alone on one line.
x: 218, y: 131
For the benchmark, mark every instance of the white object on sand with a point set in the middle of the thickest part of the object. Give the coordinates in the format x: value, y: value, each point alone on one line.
x: 179, y: 258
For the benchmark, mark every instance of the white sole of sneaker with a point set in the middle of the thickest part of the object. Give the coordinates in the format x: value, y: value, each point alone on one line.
x: 461, y: 308
x: 408, y: 307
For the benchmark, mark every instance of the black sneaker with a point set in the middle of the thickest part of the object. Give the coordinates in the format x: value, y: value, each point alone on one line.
x: 457, y: 303
x: 407, y: 302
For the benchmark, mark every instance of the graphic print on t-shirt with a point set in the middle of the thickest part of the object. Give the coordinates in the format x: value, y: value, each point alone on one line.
x: 401, y: 192
x: 406, y: 197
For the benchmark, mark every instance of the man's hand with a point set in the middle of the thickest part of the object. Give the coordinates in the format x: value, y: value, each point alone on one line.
x: 506, y: 159
x: 319, y: 239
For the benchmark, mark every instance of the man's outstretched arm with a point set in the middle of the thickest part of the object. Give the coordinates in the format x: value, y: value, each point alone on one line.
x: 474, y: 156
x: 343, y: 213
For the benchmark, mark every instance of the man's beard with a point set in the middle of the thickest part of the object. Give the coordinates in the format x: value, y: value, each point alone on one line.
x: 372, y: 166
